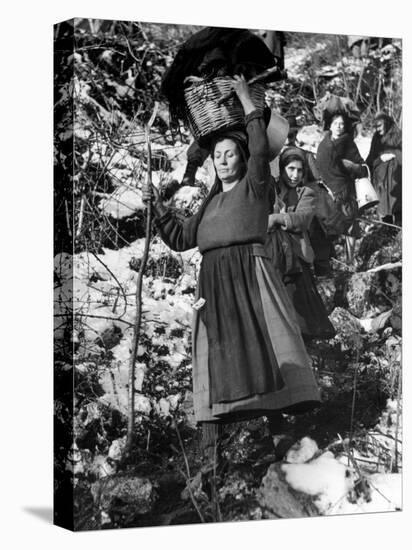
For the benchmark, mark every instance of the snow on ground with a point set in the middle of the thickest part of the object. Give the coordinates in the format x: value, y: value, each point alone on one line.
x: 122, y: 202
x: 91, y: 283
x: 331, y: 484
x: 324, y: 478
x: 331, y: 479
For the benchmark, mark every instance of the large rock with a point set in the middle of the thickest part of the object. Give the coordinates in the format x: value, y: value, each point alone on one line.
x: 124, y: 494
x: 348, y: 329
x: 187, y: 408
x: 327, y: 291
x: 372, y: 292
x: 396, y: 316
x: 279, y: 500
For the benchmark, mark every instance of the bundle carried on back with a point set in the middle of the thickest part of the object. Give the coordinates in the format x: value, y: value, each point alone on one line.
x: 331, y: 104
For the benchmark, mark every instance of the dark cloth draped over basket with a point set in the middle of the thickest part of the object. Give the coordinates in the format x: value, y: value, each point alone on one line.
x: 214, y: 52
x: 387, y: 176
x: 331, y: 104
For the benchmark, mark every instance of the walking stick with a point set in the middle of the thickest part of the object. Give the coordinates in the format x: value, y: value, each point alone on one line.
x: 136, y: 328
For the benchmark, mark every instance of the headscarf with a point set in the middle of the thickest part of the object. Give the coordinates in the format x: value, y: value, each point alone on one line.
x: 388, y: 120
x: 289, y: 153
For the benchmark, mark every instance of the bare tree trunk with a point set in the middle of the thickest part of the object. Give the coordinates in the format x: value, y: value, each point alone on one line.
x: 345, y: 81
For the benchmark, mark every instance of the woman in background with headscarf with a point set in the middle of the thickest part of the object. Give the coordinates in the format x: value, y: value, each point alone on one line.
x: 340, y: 163
x: 289, y: 245
x: 385, y: 163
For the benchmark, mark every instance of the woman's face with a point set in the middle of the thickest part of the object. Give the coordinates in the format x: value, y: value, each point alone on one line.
x: 337, y: 127
x: 227, y: 160
x: 380, y: 127
x: 293, y: 173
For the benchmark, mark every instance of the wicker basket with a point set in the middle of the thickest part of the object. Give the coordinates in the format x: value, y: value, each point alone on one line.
x: 204, y: 114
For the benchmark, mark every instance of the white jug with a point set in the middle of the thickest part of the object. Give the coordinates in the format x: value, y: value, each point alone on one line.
x: 366, y: 195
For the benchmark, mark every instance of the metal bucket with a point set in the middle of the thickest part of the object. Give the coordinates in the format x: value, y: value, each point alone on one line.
x: 366, y: 195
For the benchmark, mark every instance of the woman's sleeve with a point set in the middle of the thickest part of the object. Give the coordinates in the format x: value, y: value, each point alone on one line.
x: 394, y: 143
x: 352, y: 153
x: 258, y: 172
x: 312, y: 173
x: 373, y: 152
x: 178, y: 232
x: 321, y: 160
x: 301, y: 218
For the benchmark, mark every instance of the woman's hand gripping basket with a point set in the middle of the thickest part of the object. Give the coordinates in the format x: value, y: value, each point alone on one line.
x: 206, y: 114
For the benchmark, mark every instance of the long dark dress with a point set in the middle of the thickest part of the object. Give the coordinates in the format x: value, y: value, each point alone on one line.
x: 329, y: 162
x: 299, y: 206
x: 249, y: 358
x: 387, y: 176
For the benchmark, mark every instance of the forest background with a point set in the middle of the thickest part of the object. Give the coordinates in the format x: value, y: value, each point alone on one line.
x: 37, y: 489
x: 134, y: 459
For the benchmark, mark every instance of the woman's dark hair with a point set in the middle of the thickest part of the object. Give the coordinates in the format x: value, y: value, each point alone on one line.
x: 386, y: 119
x: 330, y: 117
x: 241, y: 146
x: 285, y: 161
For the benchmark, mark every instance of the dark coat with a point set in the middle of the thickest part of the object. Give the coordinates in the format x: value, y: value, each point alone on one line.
x: 329, y: 162
x: 387, y: 176
x: 288, y: 242
x: 292, y: 252
x: 340, y: 180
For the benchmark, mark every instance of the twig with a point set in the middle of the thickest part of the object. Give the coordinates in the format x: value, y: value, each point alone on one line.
x: 66, y: 208
x: 348, y: 267
x: 358, y: 87
x: 342, y: 71
x: 378, y: 222
x: 139, y: 282
x: 397, y: 422
x: 389, y: 436
x: 393, y: 265
x: 188, y: 476
x: 179, y: 437
x: 130, y: 49
x: 96, y: 317
x: 361, y: 459
x: 362, y: 479
x: 382, y: 495
x: 115, y: 278
x: 355, y: 379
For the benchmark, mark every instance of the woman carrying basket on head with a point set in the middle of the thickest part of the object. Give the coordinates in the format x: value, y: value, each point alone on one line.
x: 249, y: 358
